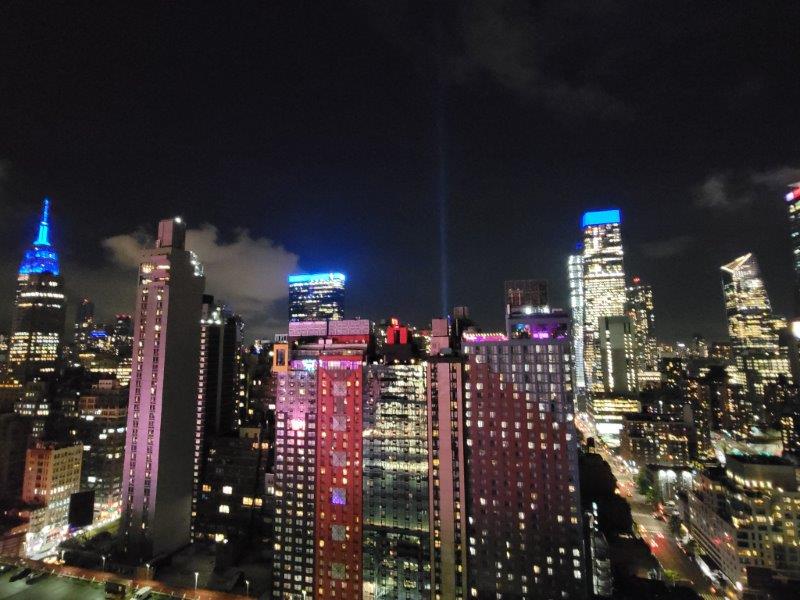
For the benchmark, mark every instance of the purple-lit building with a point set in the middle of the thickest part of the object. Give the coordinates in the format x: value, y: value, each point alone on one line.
x: 525, y: 533
x: 159, y: 449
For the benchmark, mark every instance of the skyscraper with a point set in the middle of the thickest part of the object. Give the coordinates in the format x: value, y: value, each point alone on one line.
x: 793, y: 202
x: 218, y: 381
x: 640, y: 310
x: 316, y: 297
x: 157, y: 477
x: 603, y: 284
x: 319, y: 464
x: 447, y: 469
x: 524, y: 518
x: 576, y: 305
x: 37, y: 326
x: 752, y: 327
x: 84, y: 325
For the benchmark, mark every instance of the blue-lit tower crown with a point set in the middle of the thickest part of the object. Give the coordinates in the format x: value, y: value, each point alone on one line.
x: 41, y: 257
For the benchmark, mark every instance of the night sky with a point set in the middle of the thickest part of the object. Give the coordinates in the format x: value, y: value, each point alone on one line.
x: 320, y: 135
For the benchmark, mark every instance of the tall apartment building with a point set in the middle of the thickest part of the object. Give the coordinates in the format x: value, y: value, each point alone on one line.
x: 793, y: 204
x: 218, y: 386
x: 396, y: 540
x: 603, y: 284
x: 37, y: 325
x: 52, y: 475
x: 159, y: 449
x: 524, y: 518
x: 319, y: 460
x: 101, y: 429
x: 447, y: 470
x: 316, y: 297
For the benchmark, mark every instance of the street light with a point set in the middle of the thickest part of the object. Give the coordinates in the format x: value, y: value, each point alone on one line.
x: 196, y: 575
x: 104, y: 561
x: 247, y: 587
x: 147, y: 566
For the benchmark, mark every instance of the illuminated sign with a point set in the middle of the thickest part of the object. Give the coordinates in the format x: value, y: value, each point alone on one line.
x: 601, y: 217
x: 316, y: 277
x: 793, y: 195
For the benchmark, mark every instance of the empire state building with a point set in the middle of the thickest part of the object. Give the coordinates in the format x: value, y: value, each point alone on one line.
x: 37, y: 326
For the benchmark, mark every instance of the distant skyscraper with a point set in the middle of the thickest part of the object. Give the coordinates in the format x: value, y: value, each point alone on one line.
x: 316, y: 297
x: 752, y: 327
x: 84, y: 325
x: 793, y: 202
x: 525, y: 295
x: 603, y: 284
x: 576, y: 305
x: 37, y: 325
x: 640, y: 310
x: 524, y: 517
x: 159, y: 449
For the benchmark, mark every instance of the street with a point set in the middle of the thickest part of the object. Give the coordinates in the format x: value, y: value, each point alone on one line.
x: 652, y: 530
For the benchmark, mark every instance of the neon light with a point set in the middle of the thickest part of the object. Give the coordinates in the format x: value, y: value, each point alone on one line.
x: 485, y: 337
x: 316, y: 277
x: 41, y: 258
x: 601, y: 217
x: 43, y: 239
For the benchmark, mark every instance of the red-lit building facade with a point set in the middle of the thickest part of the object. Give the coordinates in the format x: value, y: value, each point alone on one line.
x: 318, y: 468
x: 524, y: 515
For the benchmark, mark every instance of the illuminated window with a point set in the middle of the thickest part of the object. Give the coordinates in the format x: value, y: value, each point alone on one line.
x: 224, y: 508
x: 206, y: 487
x: 226, y: 489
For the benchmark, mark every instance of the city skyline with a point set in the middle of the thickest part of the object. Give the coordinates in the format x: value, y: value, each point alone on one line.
x: 333, y: 155
x: 127, y: 252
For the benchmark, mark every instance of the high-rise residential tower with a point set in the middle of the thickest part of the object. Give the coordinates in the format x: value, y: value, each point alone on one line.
x: 793, y: 202
x: 316, y: 297
x: 752, y: 327
x: 157, y: 473
x: 524, y: 517
x: 319, y: 462
x: 37, y: 325
x: 639, y: 309
x: 218, y: 386
x: 576, y: 305
x: 84, y: 325
x: 603, y: 284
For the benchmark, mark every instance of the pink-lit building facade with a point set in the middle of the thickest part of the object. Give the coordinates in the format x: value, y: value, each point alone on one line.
x: 159, y: 449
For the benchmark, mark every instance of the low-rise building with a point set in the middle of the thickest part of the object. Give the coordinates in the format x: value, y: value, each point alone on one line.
x: 657, y: 440
x: 747, y: 515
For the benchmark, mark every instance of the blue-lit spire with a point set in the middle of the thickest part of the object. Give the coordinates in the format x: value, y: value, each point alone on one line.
x: 43, y: 239
x: 41, y: 257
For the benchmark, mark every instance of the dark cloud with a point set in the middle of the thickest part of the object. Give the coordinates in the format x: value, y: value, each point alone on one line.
x: 248, y: 273
x: 668, y: 248
x: 731, y: 191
